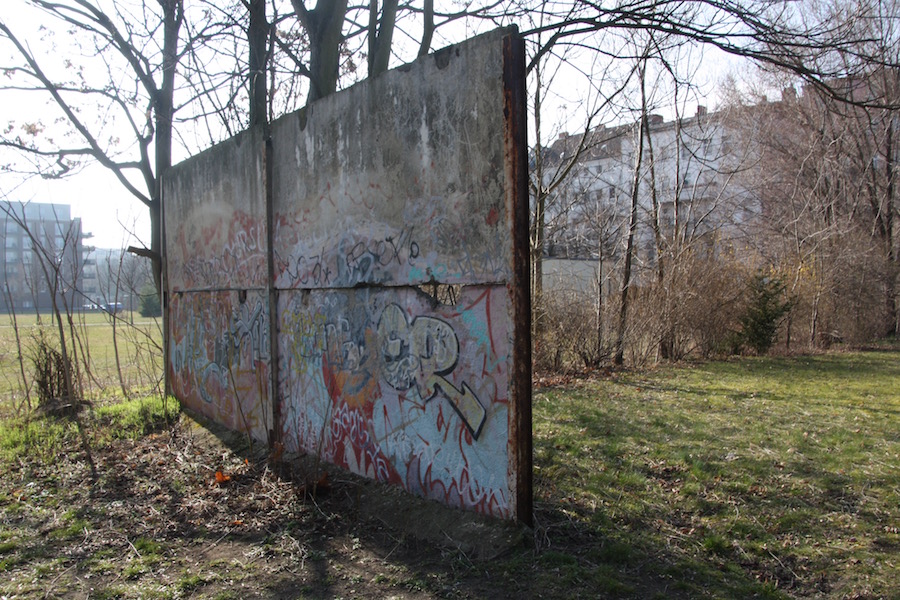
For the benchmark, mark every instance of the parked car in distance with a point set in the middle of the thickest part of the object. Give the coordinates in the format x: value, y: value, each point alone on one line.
x: 113, y: 308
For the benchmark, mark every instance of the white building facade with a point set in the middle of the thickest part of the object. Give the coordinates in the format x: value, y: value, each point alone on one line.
x: 687, y: 191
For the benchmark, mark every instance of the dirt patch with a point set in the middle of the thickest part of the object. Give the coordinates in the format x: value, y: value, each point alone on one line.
x: 197, y: 512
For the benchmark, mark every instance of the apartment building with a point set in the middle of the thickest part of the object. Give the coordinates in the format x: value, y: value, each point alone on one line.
x: 687, y: 190
x: 42, y: 253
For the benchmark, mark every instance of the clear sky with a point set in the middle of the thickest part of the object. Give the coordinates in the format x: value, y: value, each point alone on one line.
x: 107, y: 210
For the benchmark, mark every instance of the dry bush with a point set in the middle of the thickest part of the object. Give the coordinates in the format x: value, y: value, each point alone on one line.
x: 715, y: 299
x: 839, y: 295
x: 693, y: 312
x: 566, y: 333
x: 52, y: 378
x: 696, y: 310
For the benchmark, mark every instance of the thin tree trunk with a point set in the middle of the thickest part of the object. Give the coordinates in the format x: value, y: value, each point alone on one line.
x: 667, y: 339
x: 599, y: 340
x: 629, y: 246
x: 115, y: 338
x: 892, y: 212
x: 12, y: 312
x: 258, y: 36
x: 537, y: 225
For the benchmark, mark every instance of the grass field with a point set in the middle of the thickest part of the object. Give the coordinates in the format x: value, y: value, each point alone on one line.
x: 137, y: 341
x: 759, y: 477
x: 752, y: 477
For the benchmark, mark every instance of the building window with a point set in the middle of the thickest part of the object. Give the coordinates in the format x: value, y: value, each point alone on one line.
x: 725, y: 145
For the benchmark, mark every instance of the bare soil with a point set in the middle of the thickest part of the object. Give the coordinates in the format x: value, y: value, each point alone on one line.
x: 196, y: 512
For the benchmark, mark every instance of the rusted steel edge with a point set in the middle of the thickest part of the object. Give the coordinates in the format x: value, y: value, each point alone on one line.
x: 516, y: 167
x: 164, y: 285
x: 275, y: 431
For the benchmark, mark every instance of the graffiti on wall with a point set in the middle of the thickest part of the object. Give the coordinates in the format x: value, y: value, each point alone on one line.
x: 421, y: 353
x: 450, y: 243
x: 218, y: 252
x: 401, y: 391
x: 369, y: 372
x: 219, y: 357
x: 349, y: 261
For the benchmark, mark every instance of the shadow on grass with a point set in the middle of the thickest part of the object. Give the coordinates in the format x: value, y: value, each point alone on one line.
x: 615, y: 549
x: 721, y: 488
x: 635, y: 497
x: 619, y: 541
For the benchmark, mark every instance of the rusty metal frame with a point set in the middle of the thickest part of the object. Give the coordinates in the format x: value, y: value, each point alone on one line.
x: 516, y: 167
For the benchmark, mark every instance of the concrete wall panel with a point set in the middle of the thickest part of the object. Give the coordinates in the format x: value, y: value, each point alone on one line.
x: 219, y: 359
x: 397, y: 181
x: 393, y: 386
x: 216, y: 217
x: 415, y: 177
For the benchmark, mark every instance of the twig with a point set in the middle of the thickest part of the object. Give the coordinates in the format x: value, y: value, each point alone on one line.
x: 55, y: 579
x: 138, y: 554
x: 783, y: 566
x: 222, y: 537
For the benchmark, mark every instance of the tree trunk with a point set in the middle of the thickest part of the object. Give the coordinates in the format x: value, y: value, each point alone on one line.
x: 539, y: 216
x: 599, y: 340
x: 381, y: 38
x: 667, y: 339
x: 629, y: 246
x: 427, y: 28
x: 258, y: 37
x: 164, y: 110
x: 893, y: 212
x: 324, y: 26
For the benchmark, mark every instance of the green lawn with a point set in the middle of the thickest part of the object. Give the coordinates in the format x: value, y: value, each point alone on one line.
x: 757, y: 477
x: 136, y: 339
x: 761, y: 476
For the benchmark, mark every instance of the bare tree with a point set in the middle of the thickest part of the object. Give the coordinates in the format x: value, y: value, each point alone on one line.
x: 632, y: 221
x: 144, y: 44
x: 827, y: 188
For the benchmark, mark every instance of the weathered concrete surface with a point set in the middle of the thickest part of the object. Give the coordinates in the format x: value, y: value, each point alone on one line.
x: 396, y: 182
x: 399, y: 180
x: 219, y: 361
x: 215, y: 217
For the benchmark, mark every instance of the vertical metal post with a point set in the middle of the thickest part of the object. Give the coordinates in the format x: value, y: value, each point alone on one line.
x: 516, y: 165
x: 274, y: 433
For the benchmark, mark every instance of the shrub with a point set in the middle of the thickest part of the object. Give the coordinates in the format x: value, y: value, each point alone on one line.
x: 49, y: 372
x: 52, y: 376
x: 766, y: 306
x: 150, y: 306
